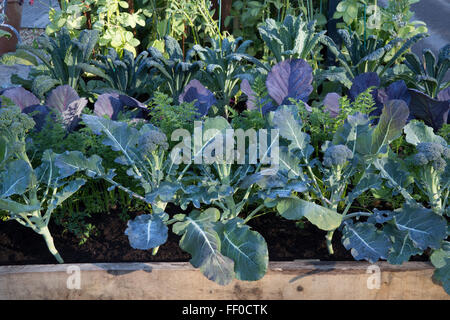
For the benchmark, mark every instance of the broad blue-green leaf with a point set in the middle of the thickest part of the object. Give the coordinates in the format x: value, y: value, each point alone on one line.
x: 442, y: 275
x: 71, y: 162
x: 295, y: 209
x: 370, y: 181
x: 381, y: 216
x: 425, y: 228
x: 392, y: 120
x: 365, y: 242
x: 246, y: 248
x: 402, y: 246
x: 201, y: 240
x: 119, y: 136
x: 15, y: 208
x: 438, y: 257
x: 146, y: 231
x: 288, y: 122
x: 15, y: 178
x: 165, y: 192
x: 68, y: 190
x: 417, y: 132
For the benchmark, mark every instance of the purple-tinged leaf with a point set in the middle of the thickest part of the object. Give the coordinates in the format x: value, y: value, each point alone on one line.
x: 71, y: 116
x: 61, y: 97
x: 433, y: 112
x: 195, y: 91
x: 39, y: 114
x: 444, y: 95
x: 331, y: 103
x: 251, y: 95
x: 21, y: 97
x: 108, y: 104
x: 269, y: 106
x: 131, y: 102
x: 363, y: 82
x: 290, y: 79
x: 398, y: 91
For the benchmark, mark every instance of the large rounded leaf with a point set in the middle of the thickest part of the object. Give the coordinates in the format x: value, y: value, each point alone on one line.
x: 202, y: 241
x: 146, y: 231
x: 246, y: 248
x: 365, y: 242
x: 323, y: 218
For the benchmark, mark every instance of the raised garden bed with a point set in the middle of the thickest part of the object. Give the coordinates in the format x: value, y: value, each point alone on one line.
x: 27, y: 270
x: 265, y: 163
x: 300, y: 279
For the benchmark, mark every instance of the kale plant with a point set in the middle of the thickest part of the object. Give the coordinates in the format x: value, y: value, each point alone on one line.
x: 125, y: 75
x: 175, y: 71
x: 294, y: 38
x: 225, y: 64
x: 60, y: 59
x: 359, y: 57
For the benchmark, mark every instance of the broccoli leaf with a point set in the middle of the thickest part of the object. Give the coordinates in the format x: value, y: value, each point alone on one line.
x: 295, y: 209
x: 246, y: 248
x: 402, y: 246
x: 392, y: 120
x: 425, y: 228
x: 202, y: 241
x: 15, y: 178
x: 146, y: 231
x: 365, y: 242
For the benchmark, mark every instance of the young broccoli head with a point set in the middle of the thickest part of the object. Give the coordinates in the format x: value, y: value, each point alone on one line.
x: 337, y: 155
x: 152, y: 140
x: 431, y: 153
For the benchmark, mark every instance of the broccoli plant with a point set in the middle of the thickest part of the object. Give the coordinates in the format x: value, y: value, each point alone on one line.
x: 30, y: 195
x: 323, y: 191
x: 211, y: 236
x: 429, y: 164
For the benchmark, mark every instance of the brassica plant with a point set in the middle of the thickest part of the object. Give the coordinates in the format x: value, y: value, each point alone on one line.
x: 30, y: 195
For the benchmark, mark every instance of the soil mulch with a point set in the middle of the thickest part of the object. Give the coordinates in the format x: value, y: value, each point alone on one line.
x: 286, y: 241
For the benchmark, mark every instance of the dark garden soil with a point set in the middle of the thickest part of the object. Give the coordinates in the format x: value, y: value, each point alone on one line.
x: 286, y: 241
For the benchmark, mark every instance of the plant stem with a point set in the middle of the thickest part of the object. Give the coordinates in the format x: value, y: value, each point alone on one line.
x: 329, y: 238
x: 50, y: 244
x: 250, y: 216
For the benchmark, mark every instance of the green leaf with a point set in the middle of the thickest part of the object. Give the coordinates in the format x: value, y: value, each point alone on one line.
x: 16, y: 208
x: 425, y: 228
x: 442, y: 275
x: 438, y: 257
x: 146, y: 231
x: 392, y: 120
x: 365, y: 242
x: 68, y: 190
x: 71, y: 162
x: 295, y: 209
x: 402, y: 246
x: 417, y: 132
x: 246, y: 248
x: 15, y: 178
x: 288, y: 122
x: 202, y: 241
x: 119, y: 136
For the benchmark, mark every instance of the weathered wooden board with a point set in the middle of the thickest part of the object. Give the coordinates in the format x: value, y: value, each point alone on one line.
x: 285, y: 280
